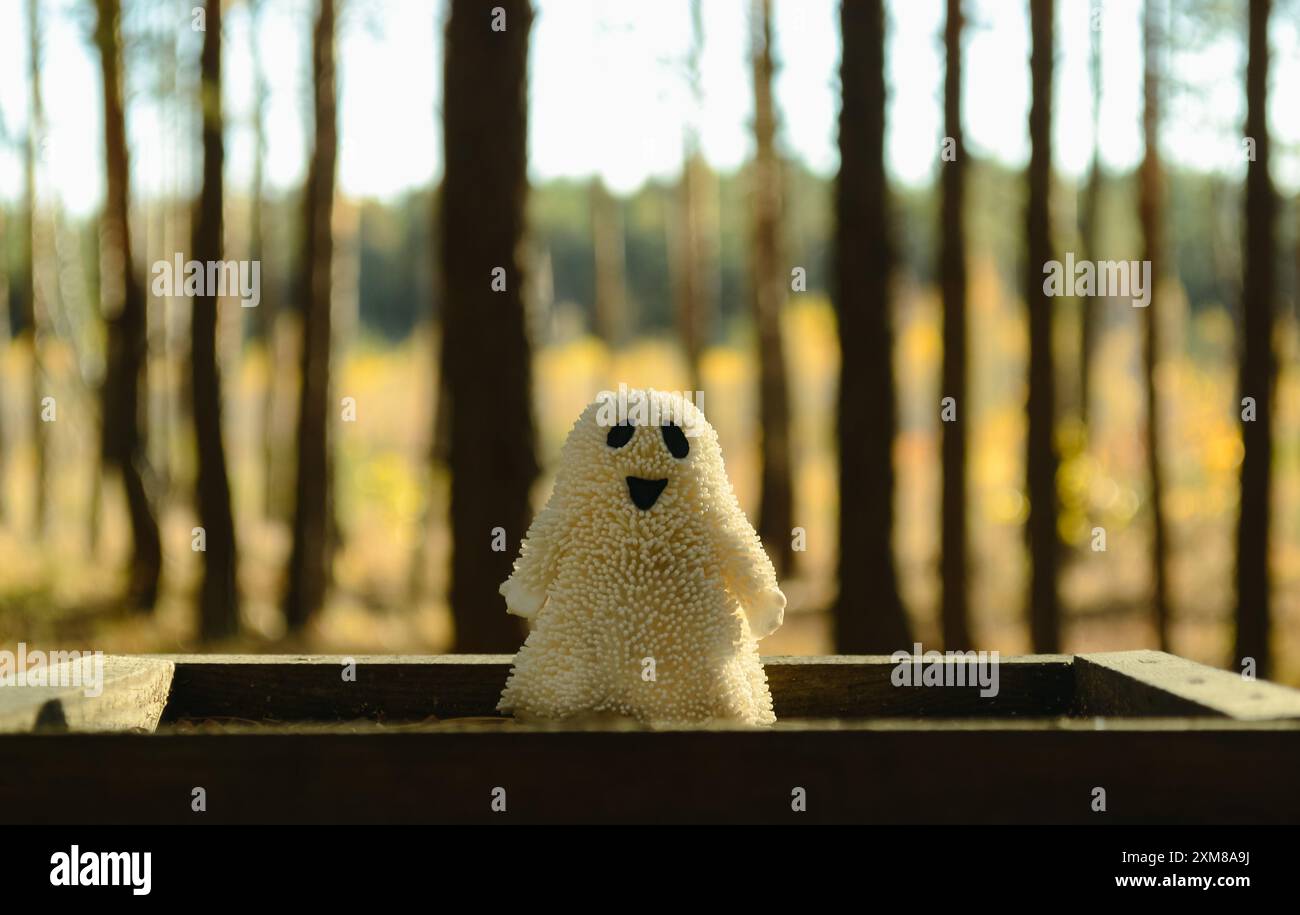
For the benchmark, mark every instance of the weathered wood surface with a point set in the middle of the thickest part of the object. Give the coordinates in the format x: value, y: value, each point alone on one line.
x: 132, y: 696
x: 1129, y: 683
x: 313, y: 688
x: 1011, y: 771
x: 418, y: 740
x: 861, y: 686
x: 272, y: 689
x: 404, y: 688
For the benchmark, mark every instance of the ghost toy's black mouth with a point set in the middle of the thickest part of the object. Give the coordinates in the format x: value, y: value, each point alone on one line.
x: 644, y: 493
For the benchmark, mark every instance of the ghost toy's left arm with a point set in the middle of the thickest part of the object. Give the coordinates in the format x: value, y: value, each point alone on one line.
x: 748, y: 572
x: 534, y: 570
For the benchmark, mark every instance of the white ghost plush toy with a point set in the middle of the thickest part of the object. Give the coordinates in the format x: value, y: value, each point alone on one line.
x: 646, y: 587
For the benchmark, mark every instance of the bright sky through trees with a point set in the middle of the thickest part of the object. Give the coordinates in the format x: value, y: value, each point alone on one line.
x: 609, y: 92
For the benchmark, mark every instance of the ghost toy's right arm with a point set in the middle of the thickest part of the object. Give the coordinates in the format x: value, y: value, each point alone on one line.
x: 749, y: 574
x: 525, y: 589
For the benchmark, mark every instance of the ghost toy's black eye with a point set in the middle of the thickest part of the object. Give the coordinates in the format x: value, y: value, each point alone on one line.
x: 676, y: 441
x: 619, y: 435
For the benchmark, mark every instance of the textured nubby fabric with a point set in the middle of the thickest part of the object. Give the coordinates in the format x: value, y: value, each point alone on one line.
x: 645, y: 585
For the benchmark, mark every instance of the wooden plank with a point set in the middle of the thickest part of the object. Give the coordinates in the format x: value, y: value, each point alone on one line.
x: 408, y: 688
x: 1156, y: 683
x: 313, y: 687
x: 126, y: 693
x: 1022, y: 771
x: 862, y: 686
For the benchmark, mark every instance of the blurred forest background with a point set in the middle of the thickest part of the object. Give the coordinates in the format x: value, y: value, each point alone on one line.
x: 828, y: 217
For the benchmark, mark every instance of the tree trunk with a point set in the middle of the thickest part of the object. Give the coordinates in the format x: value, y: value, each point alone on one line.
x: 309, y: 562
x: 689, y: 280
x: 31, y: 312
x: 266, y: 308
x: 691, y: 283
x: 869, y: 613
x: 218, y: 595
x: 775, y: 504
x: 124, y: 439
x: 1041, y: 459
x: 485, y: 351
x: 1258, y: 369
x: 1151, y: 216
x: 155, y: 241
x: 1090, y: 231
x: 954, y: 609
x: 169, y: 395
x: 609, y: 310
